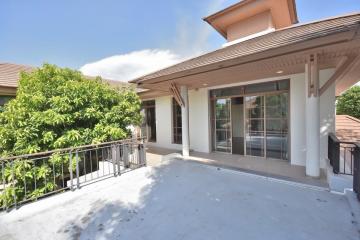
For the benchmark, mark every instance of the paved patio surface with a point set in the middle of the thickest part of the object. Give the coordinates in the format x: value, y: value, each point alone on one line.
x: 274, y: 168
x: 185, y: 200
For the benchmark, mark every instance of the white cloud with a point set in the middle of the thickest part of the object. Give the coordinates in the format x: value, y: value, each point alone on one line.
x: 128, y: 66
x: 191, y: 40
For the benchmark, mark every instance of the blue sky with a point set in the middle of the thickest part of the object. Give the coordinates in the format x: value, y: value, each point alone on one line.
x: 73, y: 33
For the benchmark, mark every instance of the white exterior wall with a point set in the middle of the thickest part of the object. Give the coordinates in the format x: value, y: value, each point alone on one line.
x: 298, y: 121
x: 200, y: 124
x: 327, y: 115
x: 199, y: 118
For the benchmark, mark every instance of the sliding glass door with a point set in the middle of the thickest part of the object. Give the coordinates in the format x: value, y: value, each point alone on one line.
x: 267, y: 125
x: 222, y: 125
x: 255, y: 134
x: 277, y: 126
x: 148, y: 127
x: 251, y: 120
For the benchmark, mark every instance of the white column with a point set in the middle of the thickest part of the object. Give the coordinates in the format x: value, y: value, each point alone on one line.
x: 185, y: 121
x: 312, y: 119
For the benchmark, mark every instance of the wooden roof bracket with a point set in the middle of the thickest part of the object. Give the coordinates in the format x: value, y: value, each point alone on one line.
x: 312, y: 71
x: 176, y: 94
x: 344, y: 65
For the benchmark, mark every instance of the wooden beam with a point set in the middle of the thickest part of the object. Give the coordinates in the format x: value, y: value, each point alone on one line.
x: 176, y: 93
x: 312, y: 75
x: 343, y: 66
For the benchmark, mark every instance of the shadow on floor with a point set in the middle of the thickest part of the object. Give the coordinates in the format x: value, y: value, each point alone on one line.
x: 274, y: 168
x: 193, y: 201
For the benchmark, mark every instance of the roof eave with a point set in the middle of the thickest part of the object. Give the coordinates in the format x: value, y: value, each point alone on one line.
x: 253, y: 57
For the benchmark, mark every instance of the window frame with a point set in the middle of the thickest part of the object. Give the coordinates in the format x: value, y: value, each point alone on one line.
x: 174, y: 121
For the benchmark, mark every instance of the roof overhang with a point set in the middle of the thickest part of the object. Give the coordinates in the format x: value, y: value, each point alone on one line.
x: 287, y: 60
x: 283, y: 13
x: 7, y: 91
x: 214, y: 69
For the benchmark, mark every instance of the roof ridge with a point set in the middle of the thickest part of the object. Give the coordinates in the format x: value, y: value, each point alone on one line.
x: 319, y: 20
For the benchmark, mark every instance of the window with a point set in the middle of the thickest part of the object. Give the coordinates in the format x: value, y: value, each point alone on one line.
x: 176, y: 119
x: 148, y: 127
x: 281, y: 85
x: 5, y: 99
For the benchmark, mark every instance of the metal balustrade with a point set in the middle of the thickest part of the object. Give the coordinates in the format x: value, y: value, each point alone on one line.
x: 341, y: 155
x: 29, y: 177
x: 345, y: 159
x: 356, y: 178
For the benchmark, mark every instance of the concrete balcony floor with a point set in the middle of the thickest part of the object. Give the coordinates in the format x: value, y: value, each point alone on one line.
x: 267, y: 167
x: 186, y: 200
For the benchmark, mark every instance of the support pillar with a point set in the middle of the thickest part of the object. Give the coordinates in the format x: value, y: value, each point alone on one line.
x: 185, y: 121
x: 312, y: 117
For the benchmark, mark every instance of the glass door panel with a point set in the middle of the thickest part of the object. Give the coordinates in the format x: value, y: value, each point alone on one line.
x: 237, y: 123
x: 277, y: 126
x: 222, y: 125
x: 254, y: 115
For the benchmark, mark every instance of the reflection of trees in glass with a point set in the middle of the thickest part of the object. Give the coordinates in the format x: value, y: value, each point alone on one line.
x: 277, y: 105
x: 276, y: 113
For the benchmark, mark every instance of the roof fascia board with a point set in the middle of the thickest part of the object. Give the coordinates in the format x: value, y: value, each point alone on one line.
x: 309, y: 45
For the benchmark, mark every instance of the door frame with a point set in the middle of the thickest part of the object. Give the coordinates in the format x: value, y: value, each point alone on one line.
x: 213, y: 100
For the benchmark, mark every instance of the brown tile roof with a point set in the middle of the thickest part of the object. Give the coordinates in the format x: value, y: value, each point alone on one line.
x: 347, y: 128
x: 279, y: 38
x: 9, y: 74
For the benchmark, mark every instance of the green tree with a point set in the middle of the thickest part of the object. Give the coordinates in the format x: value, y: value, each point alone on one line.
x: 349, y: 102
x: 58, y: 108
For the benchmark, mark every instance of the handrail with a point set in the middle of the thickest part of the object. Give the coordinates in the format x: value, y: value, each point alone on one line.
x: 29, y: 177
x: 123, y: 141
x: 356, y: 178
x: 334, y: 137
x: 341, y: 155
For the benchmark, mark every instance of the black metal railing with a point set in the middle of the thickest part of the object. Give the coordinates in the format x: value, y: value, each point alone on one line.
x: 356, y: 178
x: 334, y: 152
x: 341, y: 155
x: 345, y: 159
x: 29, y: 177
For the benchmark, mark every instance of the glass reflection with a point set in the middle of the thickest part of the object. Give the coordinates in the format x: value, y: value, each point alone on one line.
x: 254, y: 125
x: 222, y: 125
x: 277, y: 126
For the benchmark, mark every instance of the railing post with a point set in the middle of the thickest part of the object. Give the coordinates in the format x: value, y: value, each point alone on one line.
x: 77, y: 170
x: 113, y: 158
x: 142, y: 154
x: 118, y: 157
x: 13, y: 183
x: 356, y: 173
x: 126, y: 155
x: 71, y: 172
x: 330, y: 149
x: 336, y: 155
x: 334, y: 152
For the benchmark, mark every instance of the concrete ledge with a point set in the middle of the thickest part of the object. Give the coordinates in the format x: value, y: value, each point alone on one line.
x: 338, y: 182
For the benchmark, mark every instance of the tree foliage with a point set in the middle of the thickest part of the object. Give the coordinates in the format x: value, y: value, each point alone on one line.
x: 58, y: 108
x: 349, y: 102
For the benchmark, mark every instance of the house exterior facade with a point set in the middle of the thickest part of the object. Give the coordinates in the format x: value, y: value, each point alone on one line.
x: 9, y: 76
x: 269, y: 92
